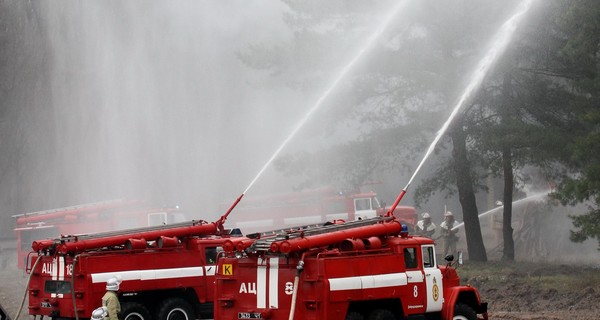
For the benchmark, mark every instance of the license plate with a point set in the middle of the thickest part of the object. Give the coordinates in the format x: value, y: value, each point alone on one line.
x: 249, y: 315
x: 46, y: 304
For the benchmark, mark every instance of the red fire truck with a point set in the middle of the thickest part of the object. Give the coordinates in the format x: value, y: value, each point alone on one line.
x: 86, y: 218
x: 308, y: 207
x: 369, y: 269
x: 167, y: 272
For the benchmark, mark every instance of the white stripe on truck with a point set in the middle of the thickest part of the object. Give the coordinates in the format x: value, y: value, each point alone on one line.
x: 152, y: 274
x: 368, y: 282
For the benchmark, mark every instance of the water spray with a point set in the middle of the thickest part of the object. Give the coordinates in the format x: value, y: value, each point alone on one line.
x: 498, y: 46
x: 498, y: 208
x: 368, y: 43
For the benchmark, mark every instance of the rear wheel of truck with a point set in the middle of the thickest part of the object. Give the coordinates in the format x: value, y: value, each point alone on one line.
x: 381, y: 314
x: 175, y: 309
x: 464, y: 312
x: 354, y: 316
x: 134, y: 311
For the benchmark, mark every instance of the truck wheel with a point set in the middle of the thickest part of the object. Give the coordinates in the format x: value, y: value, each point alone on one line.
x: 354, y: 316
x: 382, y: 314
x: 134, y: 311
x: 464, y: 312
x: 175, y: 309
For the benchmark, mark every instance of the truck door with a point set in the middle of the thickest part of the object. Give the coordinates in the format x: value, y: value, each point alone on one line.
x: 415, y: 280
x: 433, y: 279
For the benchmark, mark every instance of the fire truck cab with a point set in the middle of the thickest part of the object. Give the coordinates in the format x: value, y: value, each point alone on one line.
x: 370, y: 269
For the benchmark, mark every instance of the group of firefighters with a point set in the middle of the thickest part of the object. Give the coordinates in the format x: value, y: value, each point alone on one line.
x: 425, y: 227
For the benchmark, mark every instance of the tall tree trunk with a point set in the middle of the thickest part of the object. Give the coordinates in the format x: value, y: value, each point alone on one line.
x: 507, y: 232
x: 508, y: 252
x: 466, y: 194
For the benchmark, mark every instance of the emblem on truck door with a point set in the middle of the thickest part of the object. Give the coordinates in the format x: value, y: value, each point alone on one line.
x: 435, y: 290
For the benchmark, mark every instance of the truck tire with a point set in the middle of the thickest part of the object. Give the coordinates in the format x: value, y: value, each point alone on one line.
x: 464, y: 312
x: 381, y: 314
x: 354, y: 316
x: 134, y: 311
x: 175, y: 309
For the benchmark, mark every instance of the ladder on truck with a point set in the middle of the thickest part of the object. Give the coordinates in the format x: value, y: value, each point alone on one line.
x: 99, y: 235
x: 109, y: 204
x: 264, y: 244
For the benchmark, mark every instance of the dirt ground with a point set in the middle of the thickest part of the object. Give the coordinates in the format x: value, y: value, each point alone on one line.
x: 536, y: 291
x: 513, y: 291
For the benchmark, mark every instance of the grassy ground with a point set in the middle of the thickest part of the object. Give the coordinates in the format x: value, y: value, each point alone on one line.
x: 535, y: 287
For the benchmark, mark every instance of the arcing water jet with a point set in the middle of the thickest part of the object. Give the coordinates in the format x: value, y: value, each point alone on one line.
x: 368, y: 43
x: 498, y: 46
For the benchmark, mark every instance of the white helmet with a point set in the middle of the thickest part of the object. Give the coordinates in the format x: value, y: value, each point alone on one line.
x: 448, y: 214
x: 112, y: 284
x: 426, y: 215
x: 99, y: 313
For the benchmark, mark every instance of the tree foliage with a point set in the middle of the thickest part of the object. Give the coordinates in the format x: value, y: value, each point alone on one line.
x: 538, y: 108
x: 581, y: 28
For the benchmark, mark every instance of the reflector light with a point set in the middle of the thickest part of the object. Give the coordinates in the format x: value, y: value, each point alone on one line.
x: 226, y: 303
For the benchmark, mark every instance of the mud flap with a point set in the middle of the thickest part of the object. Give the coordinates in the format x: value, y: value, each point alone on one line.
x: 3, y: 314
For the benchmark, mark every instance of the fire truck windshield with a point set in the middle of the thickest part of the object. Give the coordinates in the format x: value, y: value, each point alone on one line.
x: 362, y: 204
x: 60, y: 287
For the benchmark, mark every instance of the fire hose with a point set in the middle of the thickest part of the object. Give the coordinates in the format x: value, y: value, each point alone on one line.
x: 26, y: 287
x: 73, y: 286
x: 299, y: 270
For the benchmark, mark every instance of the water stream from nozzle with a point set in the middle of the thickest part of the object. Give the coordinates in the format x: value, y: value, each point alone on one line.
x: 532, y: 197
x: 498, y: 45
x: 368, y: 43
x: 344, y: 71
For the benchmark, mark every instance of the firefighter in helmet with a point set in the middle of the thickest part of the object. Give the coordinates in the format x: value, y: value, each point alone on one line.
x: 424, y: 226
x: 448, y: 235
x: 110, y: 300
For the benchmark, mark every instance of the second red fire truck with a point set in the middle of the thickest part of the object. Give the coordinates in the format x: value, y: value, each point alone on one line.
x: 167, y: 272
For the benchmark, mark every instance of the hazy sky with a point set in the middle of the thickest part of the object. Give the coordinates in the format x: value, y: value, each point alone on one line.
x: 149, y: 99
